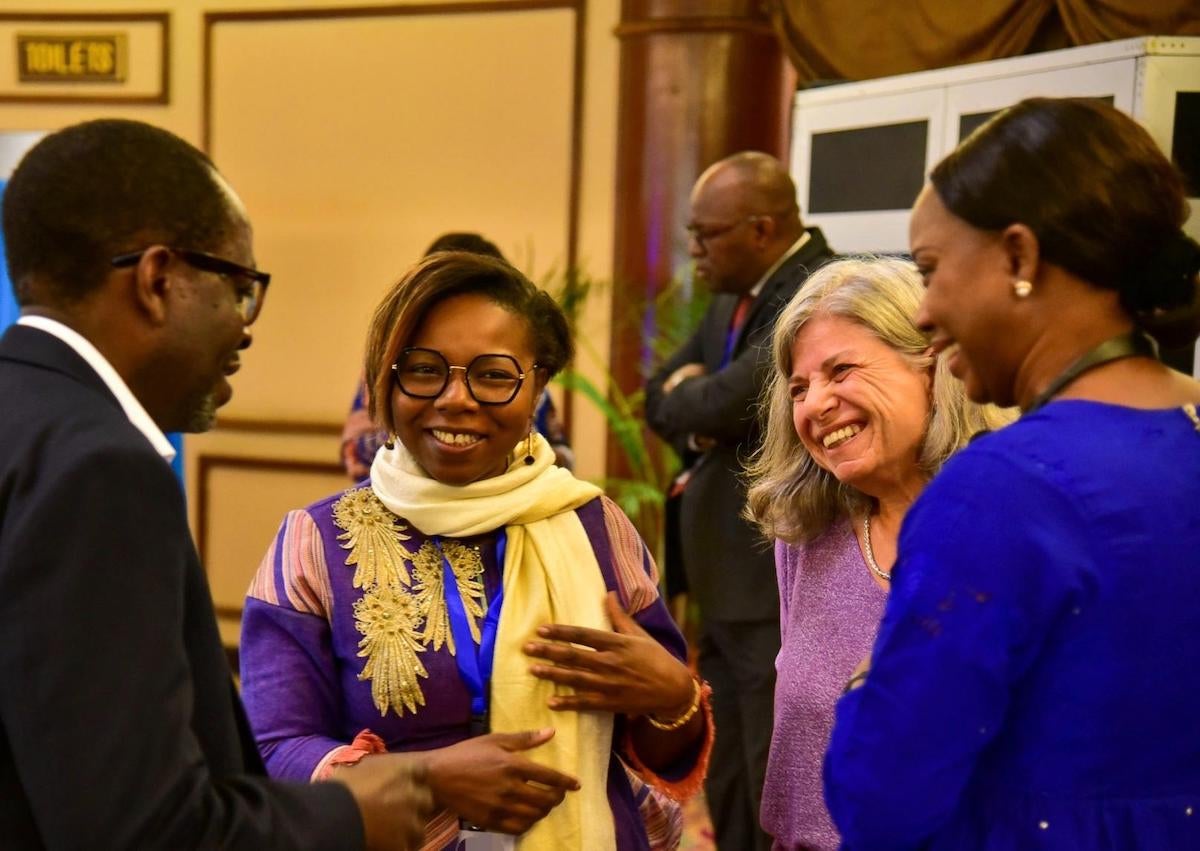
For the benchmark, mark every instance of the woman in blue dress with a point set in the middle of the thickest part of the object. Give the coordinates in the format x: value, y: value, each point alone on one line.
x: 1036, y: 678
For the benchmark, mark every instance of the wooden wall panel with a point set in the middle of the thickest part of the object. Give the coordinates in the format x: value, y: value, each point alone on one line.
x: 352, y: 160
x: 241, y: 502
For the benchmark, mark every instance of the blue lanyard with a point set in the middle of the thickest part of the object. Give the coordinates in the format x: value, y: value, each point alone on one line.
x: 474, y: 663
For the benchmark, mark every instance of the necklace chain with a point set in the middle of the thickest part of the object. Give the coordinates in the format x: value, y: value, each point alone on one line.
x: 1133, y: 344
x: 885, y: 575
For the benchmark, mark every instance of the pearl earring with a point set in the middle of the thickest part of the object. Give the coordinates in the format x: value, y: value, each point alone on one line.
x: 1022, y: 288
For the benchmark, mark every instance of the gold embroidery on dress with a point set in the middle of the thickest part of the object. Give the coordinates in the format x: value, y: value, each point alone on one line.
x: 430, y: 595
x: 403, y: 609
x: 387, y: 618
x: 373, y: 538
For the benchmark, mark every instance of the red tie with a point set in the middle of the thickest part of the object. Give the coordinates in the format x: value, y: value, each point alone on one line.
x: 739, y: 314
x: 735, y: 325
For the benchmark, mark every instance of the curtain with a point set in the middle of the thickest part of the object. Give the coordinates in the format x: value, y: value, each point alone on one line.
x: 864, y: 39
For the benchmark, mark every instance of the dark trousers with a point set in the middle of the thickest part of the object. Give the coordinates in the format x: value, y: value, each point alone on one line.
x: 738, y: 660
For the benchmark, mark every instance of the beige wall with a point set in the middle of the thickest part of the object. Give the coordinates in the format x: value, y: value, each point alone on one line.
x: 353, y: 142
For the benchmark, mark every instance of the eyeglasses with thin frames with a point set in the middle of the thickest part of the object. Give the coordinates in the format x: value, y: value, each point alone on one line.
x: 250, y: 299
x: 703, y: 235
x: 490, y: 379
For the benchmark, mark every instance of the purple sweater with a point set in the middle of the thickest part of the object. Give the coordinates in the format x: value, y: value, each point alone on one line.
x: 829, y: 612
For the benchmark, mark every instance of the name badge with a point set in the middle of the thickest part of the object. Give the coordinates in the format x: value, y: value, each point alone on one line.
x: 484, y: 840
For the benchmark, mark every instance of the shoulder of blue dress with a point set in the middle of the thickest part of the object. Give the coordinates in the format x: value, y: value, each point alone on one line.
x: 1059, y: 429
x: 1027, y: 453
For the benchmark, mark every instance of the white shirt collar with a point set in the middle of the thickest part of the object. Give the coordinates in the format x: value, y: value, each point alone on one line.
x: 129, y: 403
x: 796, y: 246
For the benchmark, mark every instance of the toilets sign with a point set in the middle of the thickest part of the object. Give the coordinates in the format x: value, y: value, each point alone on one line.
x: 62, y: 58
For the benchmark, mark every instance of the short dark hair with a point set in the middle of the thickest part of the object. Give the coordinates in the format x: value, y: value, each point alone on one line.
x: 94, y: 190
x: 464, y: 241
x: 449, y: 273
x: 1089, y: 181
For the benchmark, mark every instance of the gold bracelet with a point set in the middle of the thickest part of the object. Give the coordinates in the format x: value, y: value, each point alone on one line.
x: 685, y: 717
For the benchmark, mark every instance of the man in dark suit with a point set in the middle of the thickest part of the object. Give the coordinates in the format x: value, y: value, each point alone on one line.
x: 752, y: 251
x: 131, y: 259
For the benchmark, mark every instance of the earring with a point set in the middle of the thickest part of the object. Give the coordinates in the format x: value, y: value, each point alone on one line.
x: 529, y: 448
x: 390, y: 443
x: 1022, y: 288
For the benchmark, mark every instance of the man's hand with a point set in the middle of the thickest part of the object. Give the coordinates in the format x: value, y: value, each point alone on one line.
x: 393, y: 797
x: 688, y: 370
x: 487, y: 781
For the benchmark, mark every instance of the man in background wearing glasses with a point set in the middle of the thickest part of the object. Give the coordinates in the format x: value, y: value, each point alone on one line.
x: 132, y: 261
x: 752, y: 252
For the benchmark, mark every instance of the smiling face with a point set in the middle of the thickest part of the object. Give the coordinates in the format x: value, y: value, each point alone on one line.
x: 859, y: 407
x: 969, y: 308
x: 454, y: 438
x: 206, y: 336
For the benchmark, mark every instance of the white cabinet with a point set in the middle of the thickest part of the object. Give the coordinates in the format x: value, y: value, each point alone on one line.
x: 861, y: 151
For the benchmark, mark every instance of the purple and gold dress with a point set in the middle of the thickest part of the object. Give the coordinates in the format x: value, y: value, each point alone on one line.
x: 325, y: 677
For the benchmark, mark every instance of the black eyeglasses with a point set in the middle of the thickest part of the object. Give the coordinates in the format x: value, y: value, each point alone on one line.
x: 250, y: 297
x: 491, y: 379
x: 703, y: 234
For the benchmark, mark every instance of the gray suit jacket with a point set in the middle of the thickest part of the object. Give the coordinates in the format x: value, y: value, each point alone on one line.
x: 119, y: 724
x: 730, y: 568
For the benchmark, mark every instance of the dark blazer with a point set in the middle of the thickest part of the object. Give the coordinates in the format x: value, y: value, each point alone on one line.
x: 730, y: 568
x: 119, y: 724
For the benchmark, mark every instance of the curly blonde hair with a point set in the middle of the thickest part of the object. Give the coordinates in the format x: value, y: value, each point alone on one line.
x: 790, y: 496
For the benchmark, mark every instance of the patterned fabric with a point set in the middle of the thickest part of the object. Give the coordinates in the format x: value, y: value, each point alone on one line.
x: 295, y: 565
x: 361, y: 438
x: 661, y: 814
x: 637, y: 575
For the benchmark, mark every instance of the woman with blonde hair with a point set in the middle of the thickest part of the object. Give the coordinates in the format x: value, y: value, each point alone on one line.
x: 859, y: 417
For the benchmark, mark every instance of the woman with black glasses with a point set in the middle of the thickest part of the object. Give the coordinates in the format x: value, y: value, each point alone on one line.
x: 475, y: 602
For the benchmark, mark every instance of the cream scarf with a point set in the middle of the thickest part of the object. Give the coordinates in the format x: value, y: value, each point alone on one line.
x: 550, y: 576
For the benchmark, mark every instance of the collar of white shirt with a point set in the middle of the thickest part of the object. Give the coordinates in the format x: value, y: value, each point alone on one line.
x: 796, y: 246
x: 129, y: 403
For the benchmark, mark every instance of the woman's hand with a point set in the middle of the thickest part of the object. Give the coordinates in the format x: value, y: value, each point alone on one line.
x: 626, y: 671
x: 487, y: 781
